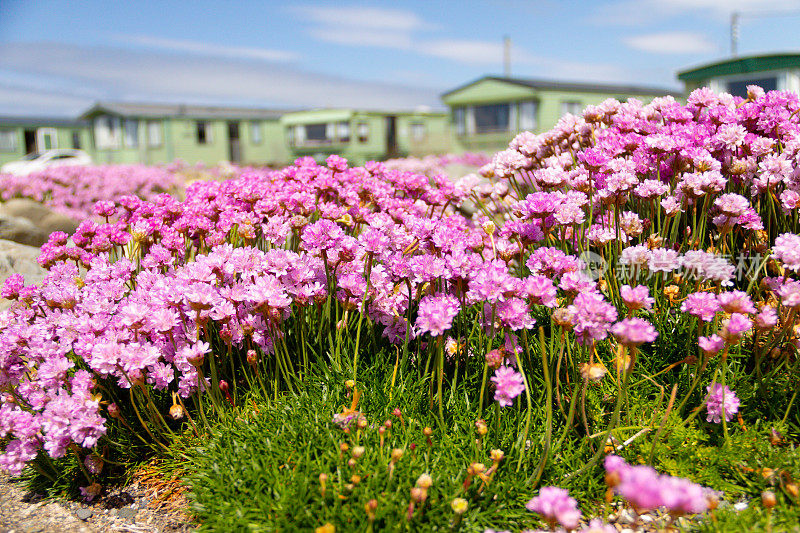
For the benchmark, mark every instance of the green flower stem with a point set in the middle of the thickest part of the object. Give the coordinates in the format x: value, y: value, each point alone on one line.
x: 549, y: 406
x: 361, y: 315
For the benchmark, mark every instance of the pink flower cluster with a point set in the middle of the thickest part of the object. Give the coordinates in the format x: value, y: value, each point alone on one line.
x: 556, y: 506
x: 73, y: 190
x: 645, y: 489
x: 508, y: 385
x: 432, y: 165
x: 228, y: 267
x: 721, y: 401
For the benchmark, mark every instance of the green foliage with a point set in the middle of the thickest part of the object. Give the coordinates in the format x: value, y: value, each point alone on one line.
x: 260, y: 469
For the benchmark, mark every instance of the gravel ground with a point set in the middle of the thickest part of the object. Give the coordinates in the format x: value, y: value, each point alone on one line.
x: 135, y: 508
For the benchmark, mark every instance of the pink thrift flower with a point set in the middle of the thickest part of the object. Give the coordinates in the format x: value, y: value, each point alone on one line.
x: 556, y: 505
x: 787, y: 250
x: 767, y: 318
x: 636, y: 298
x: 711, y: 345
x: 703, y: 305
x: 436, y: 314
x: 663, y: 260
x: 12, y: 286
x: 736, y: 302
x: 593, y: 316
x: 718, y: 397
x: 734, y: 327
x: 509, y: 384
x: 634, y: 331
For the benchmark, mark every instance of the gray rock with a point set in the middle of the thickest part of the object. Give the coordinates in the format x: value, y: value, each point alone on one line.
x: 57, y: 222
x: 126, y: 513
x: 626, y: 517
x: 25, y: 208
x: 84, y: 513
x: 41, y: 216
x: 21, y: 230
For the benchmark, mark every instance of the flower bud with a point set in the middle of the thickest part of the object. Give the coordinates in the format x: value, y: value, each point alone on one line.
x: 298, y: 221
x: 612, y: 478
x: 495, y: 358
x: 476, y: 468
x: 497, y: 455
x: 397, y: 454
x: 563, y: 317
x: 113, y: 411
x: 176, y: 411
x: 768, y: 499
x: 424, y: 481
x: 712, y: 499
x: 480, y: 425
x: 370, y: 507
x: 427, y: 431
x: 672, y: 292
x: 349, y: 384
x: 327, y: 528
x: 594, y: 372
x: 195, y: 359
x: 459, y: 506
x: 358, y: 451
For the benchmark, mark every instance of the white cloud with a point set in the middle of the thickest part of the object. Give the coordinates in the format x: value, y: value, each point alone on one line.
x: 633, y: 13
x: 198, y: 47
x: 725, y: 7
x: 151, y: 76
x: 364, y: 17
x: 363, y: 26
x: 465, y: 51
x: 678, y: 42
x: 28, y: 101
x: 364, y: 37
x: 398, y: 30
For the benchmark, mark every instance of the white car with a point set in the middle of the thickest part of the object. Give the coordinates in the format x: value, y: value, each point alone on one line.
x: 51, y: 158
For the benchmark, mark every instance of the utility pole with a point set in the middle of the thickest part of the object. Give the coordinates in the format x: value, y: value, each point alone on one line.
x: 507, y: 56
x: 736, y: 19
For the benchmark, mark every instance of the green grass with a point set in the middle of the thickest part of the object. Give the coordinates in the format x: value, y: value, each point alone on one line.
x: 260, y: 469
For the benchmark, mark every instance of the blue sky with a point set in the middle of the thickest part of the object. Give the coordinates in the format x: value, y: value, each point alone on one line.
x: 56, y: 58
